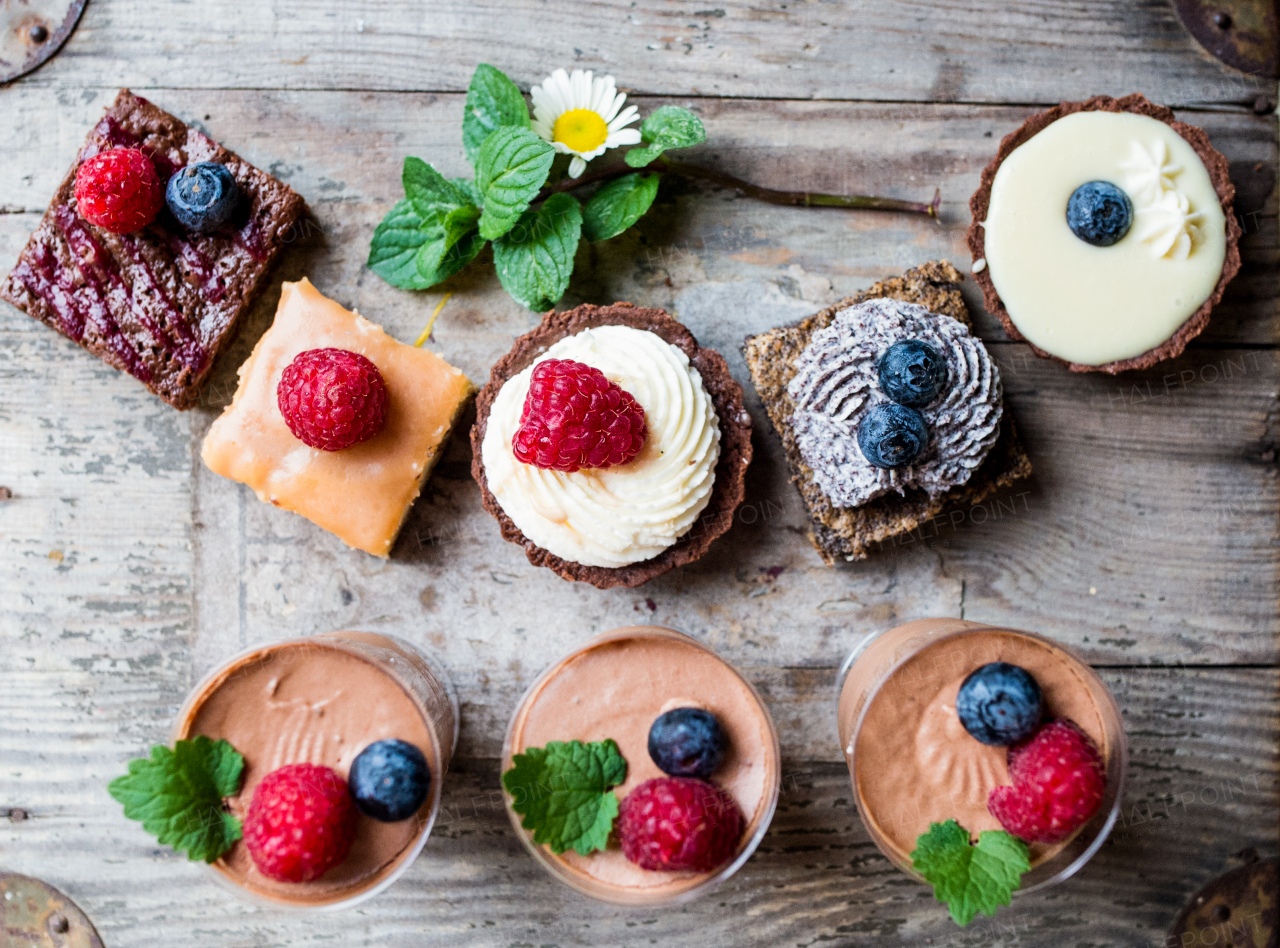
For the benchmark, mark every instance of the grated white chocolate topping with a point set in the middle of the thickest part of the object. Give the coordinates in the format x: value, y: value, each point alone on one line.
x: 837, y: 382
x: 629, y: 513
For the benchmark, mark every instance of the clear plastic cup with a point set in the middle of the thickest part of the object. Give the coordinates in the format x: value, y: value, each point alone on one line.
x: 431, y: 694
x: 680, y: 887
x: 960, y: 647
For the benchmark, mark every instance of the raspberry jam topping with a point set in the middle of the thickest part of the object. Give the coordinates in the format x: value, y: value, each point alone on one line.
x: 575, y: 418
x: 119, y: 190
x: 332, y: 399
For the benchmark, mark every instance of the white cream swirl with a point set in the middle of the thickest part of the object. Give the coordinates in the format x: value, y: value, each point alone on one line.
x: 625, y: 514
x: 837, y: 383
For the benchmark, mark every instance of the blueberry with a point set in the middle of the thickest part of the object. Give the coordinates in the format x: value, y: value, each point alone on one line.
x: 1099, y: 213
x: 1000, y: 704
x: 913, y: 373
x: 389, y: 780
x: 892, y: 435
x: 203, y: 196
x: 687, y: 742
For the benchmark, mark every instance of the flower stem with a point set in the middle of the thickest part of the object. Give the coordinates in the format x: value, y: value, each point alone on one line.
x: 769, y: 195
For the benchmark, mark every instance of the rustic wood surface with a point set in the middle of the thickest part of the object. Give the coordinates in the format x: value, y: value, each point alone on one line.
x: 1149, y: 537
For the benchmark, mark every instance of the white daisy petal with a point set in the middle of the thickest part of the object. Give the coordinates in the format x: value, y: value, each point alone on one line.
x: 623, y: 136
x: 576, y: 167
x: 611, y: 107
x: 628, y: 115
x: 602, y: 96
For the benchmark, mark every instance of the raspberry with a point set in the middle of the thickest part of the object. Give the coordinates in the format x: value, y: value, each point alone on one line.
x: 332, y: 398
x: 1058, y: 781
x: 574, y: 417
x: 679, y: 823
x: 119, y: 190
x: 301, y: 823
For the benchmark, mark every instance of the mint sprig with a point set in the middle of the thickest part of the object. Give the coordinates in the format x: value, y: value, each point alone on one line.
x: 493, y: 102
x: 970, y: 878
x: 534, y: 259
x: 564, y: 792
x: 177, y: 795
x: 510, y: 170
x: 618, y: 205
x: 668, y: 127
x: 444, y: 223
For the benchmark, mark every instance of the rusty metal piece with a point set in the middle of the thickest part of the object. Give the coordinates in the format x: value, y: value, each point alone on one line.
x: 34, y: 914
x: 1244, y: 34
x: 31, y: 31
x: 1241, y: 909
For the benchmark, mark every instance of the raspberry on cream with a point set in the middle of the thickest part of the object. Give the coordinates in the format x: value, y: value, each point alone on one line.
x: 631, y: 512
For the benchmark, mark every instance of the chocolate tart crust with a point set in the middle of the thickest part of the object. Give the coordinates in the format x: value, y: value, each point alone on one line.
x: 735, y: 439
x: 1215, y: 163
x: 849, y: 533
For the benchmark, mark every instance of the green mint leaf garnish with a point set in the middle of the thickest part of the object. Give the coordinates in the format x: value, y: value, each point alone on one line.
x: 414, y: 254
x: 177, y: 795
x: 397, y: 241
x: 564, y: 792
x: 438, y: 259
x: 970, y: 879
x: 493, y: 102
x: 432, y: 195
x: 467, y: 187
x: 510, y: 171
x: 668, y: 127
x: 535, y: 259
x: 618, y: 205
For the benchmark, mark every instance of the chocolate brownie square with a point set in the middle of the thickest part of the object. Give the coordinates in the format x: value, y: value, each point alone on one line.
x: 161, y: 302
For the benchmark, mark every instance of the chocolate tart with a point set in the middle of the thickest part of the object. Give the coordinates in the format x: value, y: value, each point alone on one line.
x: 735, y: 439
x: 849, y: 533
x: 1214, y: 162
x: 159, y: 303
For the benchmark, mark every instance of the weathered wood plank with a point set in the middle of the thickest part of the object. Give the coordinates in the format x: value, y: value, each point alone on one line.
x: 952, y: 51
x: 1199, y: 790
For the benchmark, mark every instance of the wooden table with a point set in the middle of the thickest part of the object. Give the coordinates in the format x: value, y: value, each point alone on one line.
x: 1148, y: 538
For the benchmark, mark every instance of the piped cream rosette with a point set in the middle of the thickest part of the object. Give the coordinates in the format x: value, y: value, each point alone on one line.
x: 629, y: 513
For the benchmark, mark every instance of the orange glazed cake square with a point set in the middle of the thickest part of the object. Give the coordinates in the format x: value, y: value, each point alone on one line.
x: 360, y: 494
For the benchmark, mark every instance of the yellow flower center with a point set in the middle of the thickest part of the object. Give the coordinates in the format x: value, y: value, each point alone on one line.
x: 581, y: 130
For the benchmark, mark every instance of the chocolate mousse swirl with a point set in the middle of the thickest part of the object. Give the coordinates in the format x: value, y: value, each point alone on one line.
x: 837, y: 383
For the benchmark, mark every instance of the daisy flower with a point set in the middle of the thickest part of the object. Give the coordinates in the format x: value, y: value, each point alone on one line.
x: 580, y: 116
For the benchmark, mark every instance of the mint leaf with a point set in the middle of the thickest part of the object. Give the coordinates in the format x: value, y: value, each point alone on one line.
x: 467, y: 187
x: 535, y: 259
x: 564, y: 793
x: 970, y: 879
x: 432, y: 195
x: 618, y: 205
x: 397, y: 241
x: 510, y: 170
x: 177, y: 795
x: 668, y: 127
x: 493, y: 102
x: 436, y: 262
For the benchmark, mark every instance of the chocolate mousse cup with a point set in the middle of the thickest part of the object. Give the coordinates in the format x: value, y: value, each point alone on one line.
x: 615, y: 686
x: 322, y: 700
x: 911, y: 761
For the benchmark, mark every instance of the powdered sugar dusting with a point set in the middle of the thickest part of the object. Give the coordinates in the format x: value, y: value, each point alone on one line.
x: 837, y: 383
